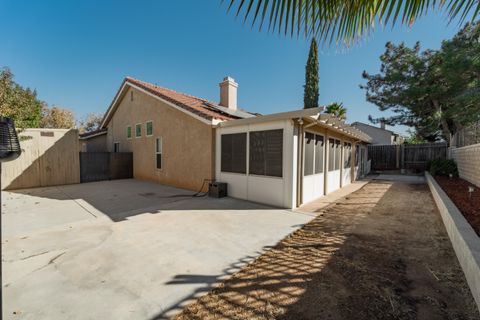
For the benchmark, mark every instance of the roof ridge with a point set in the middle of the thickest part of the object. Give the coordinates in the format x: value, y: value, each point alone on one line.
x: 175, y: 91
x: 205, y: 108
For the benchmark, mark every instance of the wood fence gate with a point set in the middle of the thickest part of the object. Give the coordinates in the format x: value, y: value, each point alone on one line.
x: 96, y: 166
x: 411, y: 157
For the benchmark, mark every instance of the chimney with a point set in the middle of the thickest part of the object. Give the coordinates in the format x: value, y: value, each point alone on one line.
x: 228, y: 93
x: 382, y: 124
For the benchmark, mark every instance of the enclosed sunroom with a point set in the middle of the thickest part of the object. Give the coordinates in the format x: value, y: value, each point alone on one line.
x: 290, y: 158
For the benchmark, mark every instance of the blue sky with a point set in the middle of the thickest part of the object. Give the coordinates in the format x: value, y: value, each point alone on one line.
x: 76, y: 53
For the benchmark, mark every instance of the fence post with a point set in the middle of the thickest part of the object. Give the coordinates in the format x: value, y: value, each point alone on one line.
x: 397, y: 156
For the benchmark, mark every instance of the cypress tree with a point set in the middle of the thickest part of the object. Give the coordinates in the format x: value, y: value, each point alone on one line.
x: 310, y: 95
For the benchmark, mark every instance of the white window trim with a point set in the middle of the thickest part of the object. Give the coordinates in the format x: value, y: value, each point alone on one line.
x: 136, y: 124
x: 156, y: 152
x: 114, y: 143
x: 131, y: 133
x: 146, y: 131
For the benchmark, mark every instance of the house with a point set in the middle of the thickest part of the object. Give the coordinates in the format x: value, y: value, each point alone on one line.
x: 93, y: 141
x: 283, y: 159
x: 379, y: 135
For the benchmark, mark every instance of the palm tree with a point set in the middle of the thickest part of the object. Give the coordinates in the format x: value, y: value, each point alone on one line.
x: 343, y: 20
x: 337, y: 109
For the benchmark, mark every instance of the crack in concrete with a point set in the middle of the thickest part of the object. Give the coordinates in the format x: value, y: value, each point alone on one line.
x: 52, y: 260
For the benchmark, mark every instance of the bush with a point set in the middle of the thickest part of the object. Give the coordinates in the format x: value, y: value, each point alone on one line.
x: 443, y: 167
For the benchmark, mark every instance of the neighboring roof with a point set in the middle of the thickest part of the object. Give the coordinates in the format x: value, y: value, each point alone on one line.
x: 195, y: 106
x: 312, y: 115
x: 369, y: 125
x: 91, y: 134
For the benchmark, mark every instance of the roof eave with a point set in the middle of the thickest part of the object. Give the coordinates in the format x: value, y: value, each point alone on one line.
x: 92, y: 135
x: 302, y: 113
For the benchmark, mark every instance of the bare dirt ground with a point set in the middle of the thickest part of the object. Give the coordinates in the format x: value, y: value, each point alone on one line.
x: 468, y: 203
x: 380, y: 253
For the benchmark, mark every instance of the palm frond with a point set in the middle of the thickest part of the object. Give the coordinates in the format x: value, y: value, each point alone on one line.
x: 343, y: 21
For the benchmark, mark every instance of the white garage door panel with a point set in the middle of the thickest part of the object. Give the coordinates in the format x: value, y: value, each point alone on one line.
x: 312, y: 187
x: 266, y: 190
x: 333, y: 180
x: 347, y: 177
x: 236, y: 184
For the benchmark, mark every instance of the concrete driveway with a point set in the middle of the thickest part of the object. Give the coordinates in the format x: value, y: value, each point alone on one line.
x: 125, y: 249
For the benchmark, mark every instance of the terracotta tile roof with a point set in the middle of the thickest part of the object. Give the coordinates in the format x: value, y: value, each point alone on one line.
x: 198, y: 106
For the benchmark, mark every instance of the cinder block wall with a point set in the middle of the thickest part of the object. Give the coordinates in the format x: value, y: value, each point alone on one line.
x: 468, y: 162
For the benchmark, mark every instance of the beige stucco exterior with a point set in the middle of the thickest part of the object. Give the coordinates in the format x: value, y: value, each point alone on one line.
x: 188, y: 145
x: 96, y: 143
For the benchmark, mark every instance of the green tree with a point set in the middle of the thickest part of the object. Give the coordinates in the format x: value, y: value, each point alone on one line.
x: 91, y: 122
x: 310, y: 95
x: 415, y: 138
x: 57, y: 118
x: 337, y: 109
x: 20, y: 104
x: 343, y: 20
x: 436, y: 92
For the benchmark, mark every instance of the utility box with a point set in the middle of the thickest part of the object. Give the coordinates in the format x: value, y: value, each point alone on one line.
x: 217, y: 189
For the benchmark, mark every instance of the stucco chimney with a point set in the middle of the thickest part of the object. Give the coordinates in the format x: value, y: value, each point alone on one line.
x: 382, y: 124
x: 228, y: 93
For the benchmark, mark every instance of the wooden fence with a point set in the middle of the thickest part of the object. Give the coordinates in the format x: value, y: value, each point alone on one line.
x: 49, y: 157
x: 96, y: 166
x: 411, y: 157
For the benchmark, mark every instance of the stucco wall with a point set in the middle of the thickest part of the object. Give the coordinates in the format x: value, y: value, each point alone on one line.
x: 187, y: 142
x: 468, y: 162
x: 378, y: 135
x: 94, y: 144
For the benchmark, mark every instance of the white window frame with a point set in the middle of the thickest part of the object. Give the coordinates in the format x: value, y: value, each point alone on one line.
x: 158, y: 152
x: 116, y: 143
x: 138, y: 124
x: 314, y: 152
x: 131, y: 133
x: 146, y: 131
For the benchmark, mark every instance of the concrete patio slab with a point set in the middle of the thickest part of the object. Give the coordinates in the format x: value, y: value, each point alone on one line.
x: 125, y: 249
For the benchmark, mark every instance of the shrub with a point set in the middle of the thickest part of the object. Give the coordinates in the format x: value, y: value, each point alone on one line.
x: 443, y: 167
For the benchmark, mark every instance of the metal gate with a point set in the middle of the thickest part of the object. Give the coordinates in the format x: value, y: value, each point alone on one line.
x: 412, y: 157
x: 96, y: 166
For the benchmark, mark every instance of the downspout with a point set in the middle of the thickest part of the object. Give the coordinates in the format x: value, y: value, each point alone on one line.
x: 300, y: 163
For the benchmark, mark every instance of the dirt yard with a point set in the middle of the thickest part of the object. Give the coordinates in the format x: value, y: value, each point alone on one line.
x: 380, y: 253
x: 468, y: 204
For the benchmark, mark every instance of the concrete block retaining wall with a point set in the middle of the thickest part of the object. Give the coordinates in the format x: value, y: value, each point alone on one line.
x: 465, y: 241
x: 468, y: 162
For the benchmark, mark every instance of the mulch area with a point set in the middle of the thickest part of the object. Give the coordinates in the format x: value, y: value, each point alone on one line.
x: 469, y: 205
x: 379, y: 253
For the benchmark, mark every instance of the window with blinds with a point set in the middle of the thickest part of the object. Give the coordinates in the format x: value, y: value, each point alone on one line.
x: 158, y: 152
x: 314, y: 153
x: 266, y: 153
x: 319, y: 153
x: 347, y: 157
x: 234, y: 153
x: 331, y: 154
x: 309, y: 153
x: 338, y: 154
